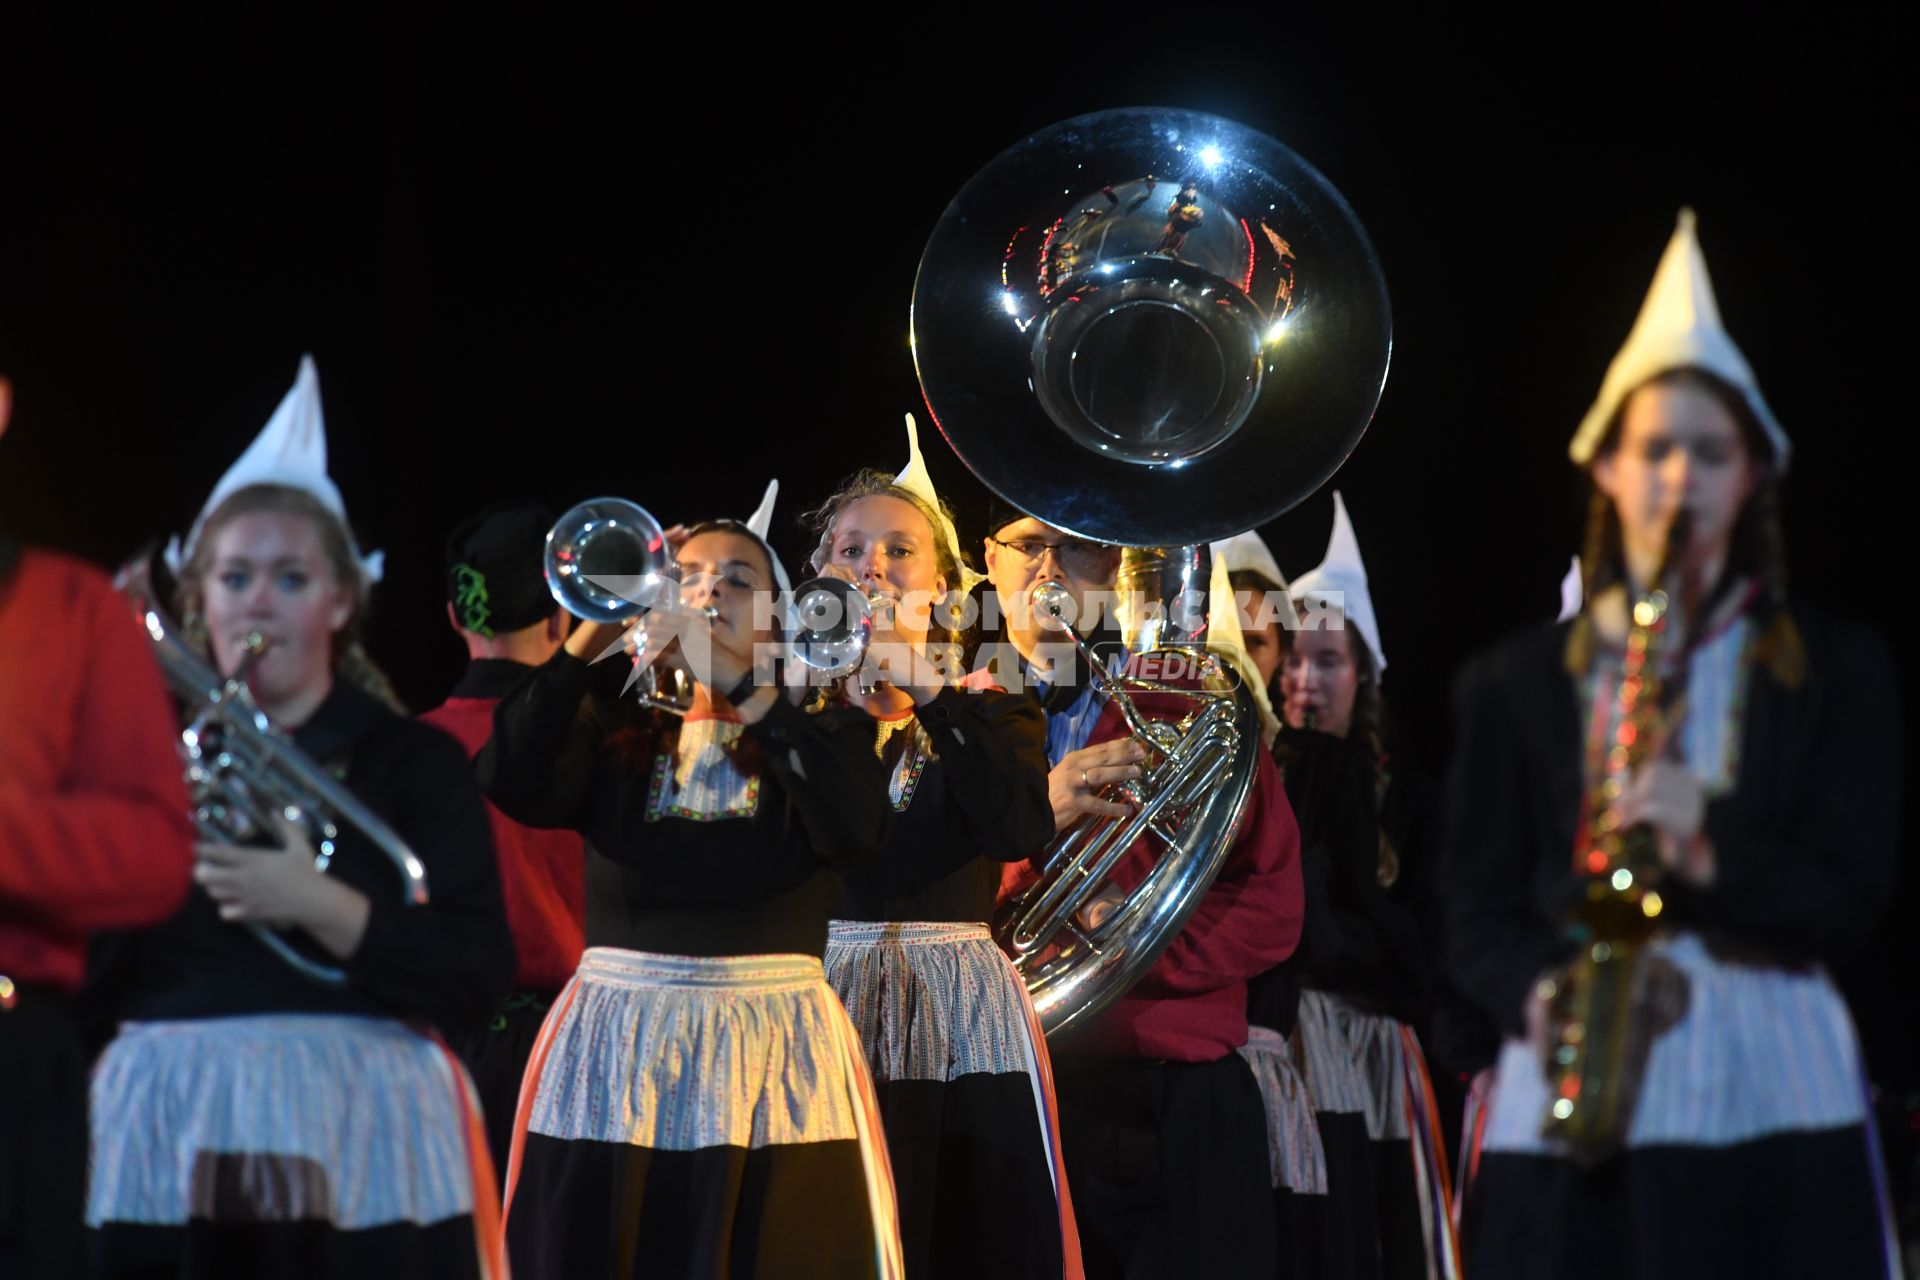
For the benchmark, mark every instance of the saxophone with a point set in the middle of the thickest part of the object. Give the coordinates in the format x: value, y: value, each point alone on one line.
x: 1616, y: 997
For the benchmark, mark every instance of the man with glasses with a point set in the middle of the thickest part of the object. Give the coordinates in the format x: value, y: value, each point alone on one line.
x: 1162, y: 1125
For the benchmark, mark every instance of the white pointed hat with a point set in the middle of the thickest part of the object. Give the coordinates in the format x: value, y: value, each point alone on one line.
x: 290, y: 450
x: 916, y: 480
x: 758, y: 524
x: 786, y: 607
x: 1339, y: 581
x: 1572, y: 592
x: 1679, y: 327
x: 1249, y: 551
x: 1224, y: 631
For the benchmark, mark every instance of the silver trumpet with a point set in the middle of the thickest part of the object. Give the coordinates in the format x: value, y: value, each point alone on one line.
x: 607, y: 560
x: 836, y: 619
x: 242, y: 772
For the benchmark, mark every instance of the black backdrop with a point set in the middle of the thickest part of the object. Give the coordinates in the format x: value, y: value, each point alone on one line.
x: 563, y: 254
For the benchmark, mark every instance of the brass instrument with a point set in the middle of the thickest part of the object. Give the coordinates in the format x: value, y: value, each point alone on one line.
x: 607, y: 561
x: 1151, y: 328
x: 1196, y: 782
x: 242, y: 771
x: 834, y: 621
x: 1616, y: 996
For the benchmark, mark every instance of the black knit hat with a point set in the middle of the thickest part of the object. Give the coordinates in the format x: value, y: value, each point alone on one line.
x: 495, y: 569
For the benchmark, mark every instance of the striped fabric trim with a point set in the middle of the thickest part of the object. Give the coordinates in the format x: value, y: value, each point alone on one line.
x: 679, y: 1053
x: 1295, y: 1153
x: 529, y: 1089
x: 1429, y: 1161
x: 764, y: 1047
x: 1759, y: 1051
x: 1335, y: 1079
x: 700, y: 781
x: 489, y: 1227
x: 936, y: 1001
x: 357, y: 1122
x: 931, y: 1001
x: 1473, y: 1136
x: 1376, y: 1043
x: 1373, y: 1064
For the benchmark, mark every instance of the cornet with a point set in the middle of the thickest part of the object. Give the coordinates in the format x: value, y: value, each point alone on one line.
x: 835, y: 628
x: 242, y: 771
x: 607, y: 561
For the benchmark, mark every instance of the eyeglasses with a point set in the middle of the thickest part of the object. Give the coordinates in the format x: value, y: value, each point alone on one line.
x: 1077, y: 556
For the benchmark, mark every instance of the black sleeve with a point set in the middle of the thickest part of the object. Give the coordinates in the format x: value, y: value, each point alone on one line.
x: 1807, y: 878
x: 1330, y: 791
x: 1410, y: 819
x: 1404, y: 980
x: 837, y: 786
x: 993, y: 794
x: 1498, y: 942
x: 451, y: 960
x: 547, y: 734
x: 1409, y: 909
x: 993, y: 748
x: 1340, y: 948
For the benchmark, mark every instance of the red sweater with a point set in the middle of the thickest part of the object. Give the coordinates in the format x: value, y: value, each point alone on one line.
x: 1192, y: 1004
x: 94, y: 831
x: 543, y: 872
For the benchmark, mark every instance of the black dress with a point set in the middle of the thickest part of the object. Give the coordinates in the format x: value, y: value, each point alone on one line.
x: 325, y: 1135
x: 1748, y: 1153
x: 1362, y: 972
x: 962, y: 1076
x: 696, y: 1103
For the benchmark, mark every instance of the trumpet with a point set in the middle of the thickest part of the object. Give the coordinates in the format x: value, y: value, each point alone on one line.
x: 836, y: 619
x: 242, y: 772
x: 607, y: 561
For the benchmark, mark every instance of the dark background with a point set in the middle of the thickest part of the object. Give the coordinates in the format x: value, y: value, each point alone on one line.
x: 565, y: 253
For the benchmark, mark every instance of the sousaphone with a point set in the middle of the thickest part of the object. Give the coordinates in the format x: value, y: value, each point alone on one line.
x: 1154, y: 328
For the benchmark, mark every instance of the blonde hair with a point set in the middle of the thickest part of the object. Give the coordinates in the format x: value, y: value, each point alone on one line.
x: 351, y: 662
x: 870, y: 483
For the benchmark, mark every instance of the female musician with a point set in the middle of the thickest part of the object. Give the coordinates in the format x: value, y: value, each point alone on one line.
x: 1773, y: 803
x: 248, y: 1119
x: 93, y: 835
x: 697, y: 1103
x: 1359, y: 977
x: 1260, y: 592
x: 960, y: 1066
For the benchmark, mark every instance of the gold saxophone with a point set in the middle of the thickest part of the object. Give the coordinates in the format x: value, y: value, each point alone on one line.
x: 1610, y: 1003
